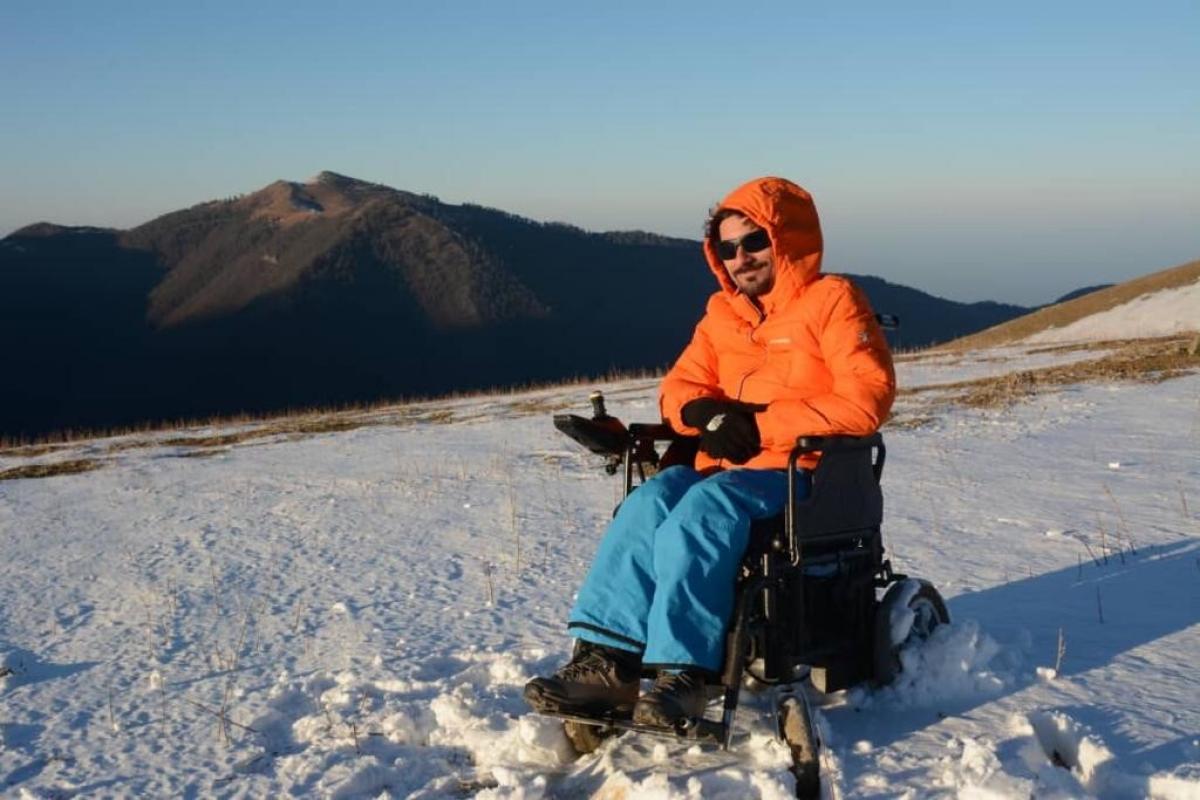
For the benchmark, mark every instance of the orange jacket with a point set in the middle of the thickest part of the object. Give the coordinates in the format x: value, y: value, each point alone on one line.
x: 815, y: 354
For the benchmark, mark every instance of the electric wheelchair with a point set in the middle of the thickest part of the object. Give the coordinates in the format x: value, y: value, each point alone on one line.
x: 807, y: 606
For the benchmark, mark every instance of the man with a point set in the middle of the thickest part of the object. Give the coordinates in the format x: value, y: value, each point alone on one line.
x: 782, y: 351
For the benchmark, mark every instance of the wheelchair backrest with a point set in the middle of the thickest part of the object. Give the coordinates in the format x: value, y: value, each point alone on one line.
x: 845, y: 498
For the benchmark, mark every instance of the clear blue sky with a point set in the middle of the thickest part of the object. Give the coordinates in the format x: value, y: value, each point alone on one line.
x: 1009, y: 151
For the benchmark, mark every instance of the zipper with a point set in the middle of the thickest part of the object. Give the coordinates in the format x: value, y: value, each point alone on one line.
x: 754, y: 329
x: 762, y: 317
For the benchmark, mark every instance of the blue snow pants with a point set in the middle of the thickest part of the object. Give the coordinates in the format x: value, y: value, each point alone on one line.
x: 663, y: 580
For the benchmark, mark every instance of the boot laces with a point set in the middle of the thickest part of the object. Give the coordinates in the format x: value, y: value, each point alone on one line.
x: 677, y: 682
x: 590, y: 664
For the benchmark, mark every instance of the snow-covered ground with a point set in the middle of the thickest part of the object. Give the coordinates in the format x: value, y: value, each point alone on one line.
x: 354, y: 614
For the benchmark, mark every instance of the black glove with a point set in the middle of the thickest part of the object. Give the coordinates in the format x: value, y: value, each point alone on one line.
x: 727, y: 427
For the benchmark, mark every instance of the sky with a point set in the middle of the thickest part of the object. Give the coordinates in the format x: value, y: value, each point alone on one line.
x: 977, y: 151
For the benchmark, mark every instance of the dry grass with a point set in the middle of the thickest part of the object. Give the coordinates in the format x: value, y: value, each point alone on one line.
x: 1061, y: 314
x: 285, y: 421
x: 909, y: 422
x: 1142, y: 360
x: 49, y: 470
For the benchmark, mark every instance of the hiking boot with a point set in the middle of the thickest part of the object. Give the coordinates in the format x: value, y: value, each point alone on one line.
x: 676, y: 696
x: 597, y: 680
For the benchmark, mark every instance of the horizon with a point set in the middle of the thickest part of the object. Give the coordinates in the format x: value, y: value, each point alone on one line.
x: 1011, y: 155
x: 315, y: 177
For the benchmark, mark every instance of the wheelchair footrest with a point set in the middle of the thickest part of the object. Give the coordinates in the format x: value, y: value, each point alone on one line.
x: 704, y: 731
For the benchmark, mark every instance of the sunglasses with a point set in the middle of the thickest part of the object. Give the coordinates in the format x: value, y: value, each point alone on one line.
x: 751, y: 243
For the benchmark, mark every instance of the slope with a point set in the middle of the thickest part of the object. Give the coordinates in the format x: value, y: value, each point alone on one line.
x: 1063, y: 314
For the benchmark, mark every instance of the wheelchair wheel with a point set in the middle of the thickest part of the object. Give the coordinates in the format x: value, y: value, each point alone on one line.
x: 586, y: 738
x: 909, y: 613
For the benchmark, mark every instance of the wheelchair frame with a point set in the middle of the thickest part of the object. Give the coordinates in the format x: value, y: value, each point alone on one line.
x: 801, y: 574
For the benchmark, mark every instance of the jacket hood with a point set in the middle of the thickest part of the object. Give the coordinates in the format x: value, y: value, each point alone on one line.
x: 786, y: 212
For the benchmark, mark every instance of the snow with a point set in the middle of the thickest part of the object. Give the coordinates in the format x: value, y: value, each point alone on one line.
x: 354, y: 614
x: 1161, y: 313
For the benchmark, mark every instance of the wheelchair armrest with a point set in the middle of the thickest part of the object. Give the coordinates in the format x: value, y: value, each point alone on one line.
x: 657, y: 431
x: 810, y: 444
x: 681, y: 451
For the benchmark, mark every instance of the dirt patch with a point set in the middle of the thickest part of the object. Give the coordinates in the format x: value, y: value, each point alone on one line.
x: 1087, y: 347
x: 212, y: 441
x: 323, y: 425
x: 49, y: 470
x: 30, y: 450
x: 132, y: 444
x: 909, y: 422
x: 200, y: 453
x: 542, y: 405
x: 286, y: 427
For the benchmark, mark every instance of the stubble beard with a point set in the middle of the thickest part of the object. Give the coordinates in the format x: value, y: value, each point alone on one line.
x: 754, y: 282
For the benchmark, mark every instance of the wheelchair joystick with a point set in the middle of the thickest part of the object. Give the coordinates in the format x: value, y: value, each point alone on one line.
x: 598, y: 411
x: 602, y: 434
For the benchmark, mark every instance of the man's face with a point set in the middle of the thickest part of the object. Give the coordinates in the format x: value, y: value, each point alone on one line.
x: 752, y: 272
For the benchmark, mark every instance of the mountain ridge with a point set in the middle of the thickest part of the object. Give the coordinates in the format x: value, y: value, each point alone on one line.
x: 336, y: 290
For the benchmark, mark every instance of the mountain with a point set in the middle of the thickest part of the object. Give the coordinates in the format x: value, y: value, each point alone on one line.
x: 337, y: 291
x: 1080, y: 292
